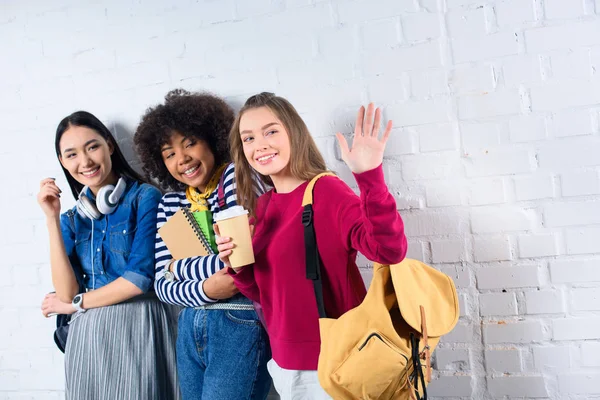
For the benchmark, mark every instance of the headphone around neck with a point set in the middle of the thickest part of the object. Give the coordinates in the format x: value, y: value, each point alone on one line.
x: 106, y: 201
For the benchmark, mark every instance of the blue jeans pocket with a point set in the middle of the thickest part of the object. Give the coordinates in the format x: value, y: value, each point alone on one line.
x: 243, y: 317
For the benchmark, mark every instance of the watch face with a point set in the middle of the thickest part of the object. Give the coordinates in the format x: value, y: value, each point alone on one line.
x: 77, y: 299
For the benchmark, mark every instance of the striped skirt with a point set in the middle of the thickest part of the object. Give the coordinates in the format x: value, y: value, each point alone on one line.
x: 125, y: 351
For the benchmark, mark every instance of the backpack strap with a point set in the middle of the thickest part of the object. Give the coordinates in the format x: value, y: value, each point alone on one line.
x: 313, y: 259
x: 221, y: 192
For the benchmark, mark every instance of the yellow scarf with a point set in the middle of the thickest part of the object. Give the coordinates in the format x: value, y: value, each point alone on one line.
x: 198, y: 200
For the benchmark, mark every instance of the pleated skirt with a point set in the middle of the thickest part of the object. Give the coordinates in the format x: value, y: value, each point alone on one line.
x: 125, y: 351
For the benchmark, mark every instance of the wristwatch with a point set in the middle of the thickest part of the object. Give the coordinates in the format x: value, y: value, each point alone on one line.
x: 169, y: 276
x: 77, y: 302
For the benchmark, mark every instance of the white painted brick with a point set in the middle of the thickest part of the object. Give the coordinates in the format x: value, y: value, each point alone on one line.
x: 477, y: 136
x: 362, y: 10
x: 454, y: 386
x: 484, y: 47
x: 570, y: 153
x: 415, y: 250
x: 437, y: 137
x: 503, y: 361
x: 486, y: 191
x: 552, y: 358
x: 376, y: 35
x: 441, y: 194
x: 538, y: 245
x: 433, y: 223
x: 580, y: 383
x: 420, y: 26
x: 492, y: 249
x: 466, y: 23
x: 452, y: 359
x: 557, y: 9
x: 495, y: 219
x: 573, y: 271
x: 400, y: 142
x: 431, y: 166
x: 494, y: 162
x: 527, y: 128
x: 576, y: 328
x: 513, y: 332
x: 559, y: 95
x: 571, y: 123
x: 501, y: 304
x: 463, y: 304
x: 544, y: 302
x: 583, y: 240
x: 420, y: 112
x: 521, y: 69
x: 390, y: 62
x: 589, y: 354
x: 585, y: 33
x: 431, y: 82
x: 507, y: 277
x: 246, y: 9
x: 460, y: 275
x: 513, y: 12
x: 571, y: 64
x: 587, y: 299
x: 386, y: 90
x: 518, y: 386
x: 445, y: 251
x: 475, y: 106
x: 580, y: 183
x: 462, y: 333
x: 472, y: 79
x: 572, y: 213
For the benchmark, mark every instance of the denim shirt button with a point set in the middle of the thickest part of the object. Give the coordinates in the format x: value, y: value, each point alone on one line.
x: 98, y: 249
x: 124, y: 231
x: 103, y: 231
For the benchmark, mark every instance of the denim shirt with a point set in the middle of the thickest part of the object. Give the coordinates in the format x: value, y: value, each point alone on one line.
x: 122, y: 243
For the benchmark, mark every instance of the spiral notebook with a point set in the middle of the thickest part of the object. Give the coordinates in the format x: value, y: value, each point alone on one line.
x: 184, y: 237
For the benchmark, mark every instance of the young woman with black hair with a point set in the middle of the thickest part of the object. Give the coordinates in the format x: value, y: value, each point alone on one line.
x: 121, y: 339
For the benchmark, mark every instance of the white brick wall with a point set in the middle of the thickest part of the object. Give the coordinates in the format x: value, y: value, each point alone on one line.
x: 494, y: 162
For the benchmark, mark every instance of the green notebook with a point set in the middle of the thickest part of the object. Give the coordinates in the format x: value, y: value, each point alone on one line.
x: 205, y: 221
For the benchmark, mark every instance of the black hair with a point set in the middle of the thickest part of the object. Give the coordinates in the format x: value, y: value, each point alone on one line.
x: 119, y: 165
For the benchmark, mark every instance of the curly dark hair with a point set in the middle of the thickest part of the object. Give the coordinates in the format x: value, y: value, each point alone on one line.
x: 203, y: 116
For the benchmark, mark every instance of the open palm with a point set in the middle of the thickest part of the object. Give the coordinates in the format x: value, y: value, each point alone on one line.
x: 367, y: 148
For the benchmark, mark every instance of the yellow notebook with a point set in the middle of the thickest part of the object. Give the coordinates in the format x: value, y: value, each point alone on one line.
x: 183, y: 236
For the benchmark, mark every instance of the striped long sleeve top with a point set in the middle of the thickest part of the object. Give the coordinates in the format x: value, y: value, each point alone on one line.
x: 186, y: 290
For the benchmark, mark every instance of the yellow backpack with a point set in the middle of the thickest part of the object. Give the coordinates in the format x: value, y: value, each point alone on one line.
x: 374, y: 351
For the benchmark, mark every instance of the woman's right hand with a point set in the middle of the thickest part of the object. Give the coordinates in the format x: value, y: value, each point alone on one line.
x: 49, y: 197
x: 225, y: 245
x: 220, y: 286
x: 53, y: 305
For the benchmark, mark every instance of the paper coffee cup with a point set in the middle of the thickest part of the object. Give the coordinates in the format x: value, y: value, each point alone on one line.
x: 233, y: 223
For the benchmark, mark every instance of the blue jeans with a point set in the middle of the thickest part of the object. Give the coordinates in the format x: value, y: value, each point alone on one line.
x: 222, y: 355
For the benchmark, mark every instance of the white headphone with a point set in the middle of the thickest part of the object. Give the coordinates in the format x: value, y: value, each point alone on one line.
x: 106, y: 201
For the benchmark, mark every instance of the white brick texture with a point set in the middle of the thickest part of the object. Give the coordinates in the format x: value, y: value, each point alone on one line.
x: 494, y: 160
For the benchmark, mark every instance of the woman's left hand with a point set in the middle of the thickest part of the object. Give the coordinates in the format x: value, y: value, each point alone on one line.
x: 367, y: 148
x: 52, y: 305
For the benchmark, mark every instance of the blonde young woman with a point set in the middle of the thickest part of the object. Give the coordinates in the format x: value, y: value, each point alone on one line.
x: 269, y: 137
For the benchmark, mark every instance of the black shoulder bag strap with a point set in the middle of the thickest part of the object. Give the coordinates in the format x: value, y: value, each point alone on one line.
x: 313, y: 259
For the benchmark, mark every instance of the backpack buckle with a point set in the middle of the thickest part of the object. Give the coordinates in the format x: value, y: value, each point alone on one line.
x: 307, y: 215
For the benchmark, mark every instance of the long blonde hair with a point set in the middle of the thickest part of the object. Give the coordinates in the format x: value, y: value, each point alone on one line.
x: 306, y: 161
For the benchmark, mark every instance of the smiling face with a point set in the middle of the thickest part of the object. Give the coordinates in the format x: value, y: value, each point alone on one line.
x: 189, y: 160
x: 85, y: 154
x: 266, y: 142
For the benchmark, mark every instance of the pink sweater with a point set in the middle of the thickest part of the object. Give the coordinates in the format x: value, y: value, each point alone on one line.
x: 344, y: 223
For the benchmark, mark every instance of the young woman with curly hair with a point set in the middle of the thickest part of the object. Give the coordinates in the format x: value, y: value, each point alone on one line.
x: 222, y: 349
